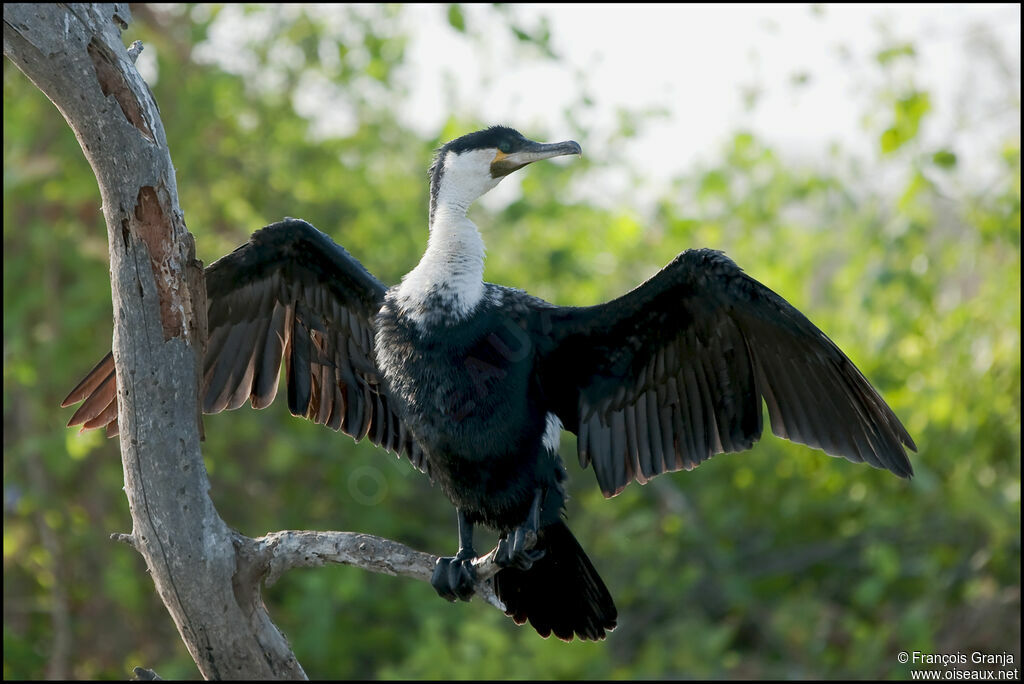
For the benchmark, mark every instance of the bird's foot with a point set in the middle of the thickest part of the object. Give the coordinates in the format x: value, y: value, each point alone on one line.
x: 515, y: 550
x: 454, y: 577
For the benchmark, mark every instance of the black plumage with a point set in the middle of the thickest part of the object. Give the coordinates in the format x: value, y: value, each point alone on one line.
x: 469, y: 380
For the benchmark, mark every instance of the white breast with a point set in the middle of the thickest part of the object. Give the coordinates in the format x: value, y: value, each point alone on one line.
x: 552, y: 433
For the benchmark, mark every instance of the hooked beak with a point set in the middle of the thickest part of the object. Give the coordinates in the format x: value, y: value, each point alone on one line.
x: 504, y: 164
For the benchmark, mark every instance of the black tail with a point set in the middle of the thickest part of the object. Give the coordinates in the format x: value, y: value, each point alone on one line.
x: 561, y: 593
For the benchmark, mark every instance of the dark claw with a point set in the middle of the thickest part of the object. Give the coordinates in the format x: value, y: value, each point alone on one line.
x: 515, y: 549
x: 514, y: 554
x: 524, y: 538
x: 454, y: 577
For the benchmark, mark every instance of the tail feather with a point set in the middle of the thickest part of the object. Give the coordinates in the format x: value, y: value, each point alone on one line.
x: 562, y: 593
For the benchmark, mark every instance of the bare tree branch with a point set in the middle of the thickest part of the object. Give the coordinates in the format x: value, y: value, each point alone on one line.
x: 207, y: 575
x: 278, y: 552
x: 74, y: 54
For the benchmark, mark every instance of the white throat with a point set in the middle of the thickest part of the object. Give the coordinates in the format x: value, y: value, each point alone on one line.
x: 448, y: 282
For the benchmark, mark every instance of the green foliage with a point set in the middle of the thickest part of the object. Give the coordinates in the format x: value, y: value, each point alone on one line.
x: 456, y: 18
x: 944, y: 159
x: 908, y: 110
x: 776, y: 563
x: 891, y: 54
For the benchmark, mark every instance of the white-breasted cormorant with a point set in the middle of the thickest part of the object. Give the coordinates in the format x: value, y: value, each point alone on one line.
x: 473, y: 382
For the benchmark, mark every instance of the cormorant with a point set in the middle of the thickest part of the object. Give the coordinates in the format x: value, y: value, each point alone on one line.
x: 473, y: 382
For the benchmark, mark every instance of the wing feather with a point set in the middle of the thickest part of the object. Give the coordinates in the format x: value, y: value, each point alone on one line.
x: 269, y: 375
x: 290, y: 295
x: 674, y: 372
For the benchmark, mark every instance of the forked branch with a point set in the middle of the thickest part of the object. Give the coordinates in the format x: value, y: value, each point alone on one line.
x: 207, y: 575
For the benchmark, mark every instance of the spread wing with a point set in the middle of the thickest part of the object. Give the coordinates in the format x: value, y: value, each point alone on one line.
x: 289, y: 294
x: 673, y: 373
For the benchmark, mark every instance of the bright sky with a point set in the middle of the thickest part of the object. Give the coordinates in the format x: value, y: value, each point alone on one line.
x: 812, y: 68
x: 694, y: 62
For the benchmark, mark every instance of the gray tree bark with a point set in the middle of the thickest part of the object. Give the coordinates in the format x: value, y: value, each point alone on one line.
x: 207, y: 575
x: 74, y: 54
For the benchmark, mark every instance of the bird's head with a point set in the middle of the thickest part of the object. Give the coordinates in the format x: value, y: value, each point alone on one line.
x: 468, y: 167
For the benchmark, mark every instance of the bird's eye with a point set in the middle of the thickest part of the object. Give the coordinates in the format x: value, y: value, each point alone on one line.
x: 505, y: 146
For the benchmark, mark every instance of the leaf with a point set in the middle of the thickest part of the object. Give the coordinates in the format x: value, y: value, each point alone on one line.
x: 944, y: 159
x: 891, y: 140
x: 456, y: 17
x: 889, y: 54
x: 908, y: 112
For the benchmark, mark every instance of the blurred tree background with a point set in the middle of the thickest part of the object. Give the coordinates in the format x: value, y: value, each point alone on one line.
x: 775, y: 563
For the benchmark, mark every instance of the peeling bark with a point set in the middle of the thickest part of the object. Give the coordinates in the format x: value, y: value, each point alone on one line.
x: 208, y: 576
x: 75, y: 55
